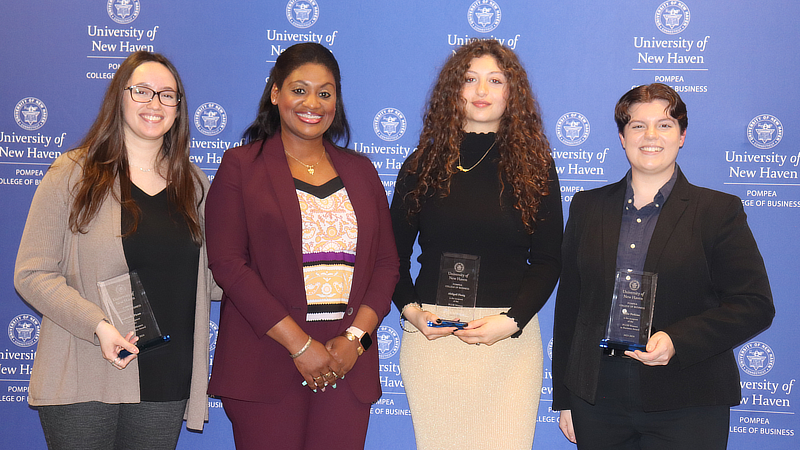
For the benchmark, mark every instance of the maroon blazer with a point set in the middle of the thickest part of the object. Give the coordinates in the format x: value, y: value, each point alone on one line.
x: 253, y: 229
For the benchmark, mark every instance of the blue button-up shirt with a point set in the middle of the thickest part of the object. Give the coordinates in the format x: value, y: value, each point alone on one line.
x: 638, y: 225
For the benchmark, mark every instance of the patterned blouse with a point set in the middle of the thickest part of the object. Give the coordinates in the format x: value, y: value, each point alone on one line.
x: 330, y: 234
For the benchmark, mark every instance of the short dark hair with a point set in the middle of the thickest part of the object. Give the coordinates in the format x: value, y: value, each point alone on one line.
x: 646, y: 94
x: 268, y: 120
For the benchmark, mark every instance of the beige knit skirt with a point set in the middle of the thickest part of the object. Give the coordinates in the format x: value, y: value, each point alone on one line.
x: 463, y: 395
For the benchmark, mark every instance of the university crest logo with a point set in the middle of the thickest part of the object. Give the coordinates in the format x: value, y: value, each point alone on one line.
x: 212, y: 335
x: 30, y: 113
x: 389, y: 124
x: 210, y: 119
x: 23, y: 330
x: 572, y: 129
x: 672, y: 17
x: 764, y: 131
x: 756, y: 358
x: 302, y: 13
x: 484, y: 15
x: 388, y: 342
x: 123, y: 11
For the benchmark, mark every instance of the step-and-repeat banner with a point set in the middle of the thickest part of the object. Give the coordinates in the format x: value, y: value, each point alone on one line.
x: 733, y: 63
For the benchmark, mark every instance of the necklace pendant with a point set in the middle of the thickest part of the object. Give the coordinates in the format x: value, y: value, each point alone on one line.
x: 310, y: 170
x: 461, y: 168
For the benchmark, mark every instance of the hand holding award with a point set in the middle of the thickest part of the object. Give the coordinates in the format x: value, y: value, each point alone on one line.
x: 126, y: 305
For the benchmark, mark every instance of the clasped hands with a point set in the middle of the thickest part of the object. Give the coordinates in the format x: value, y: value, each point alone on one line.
x: 486, y: 330
x: 321, y: 365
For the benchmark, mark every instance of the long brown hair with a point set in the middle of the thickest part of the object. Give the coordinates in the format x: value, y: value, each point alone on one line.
x: 103, y: 157
x: 524, y: 150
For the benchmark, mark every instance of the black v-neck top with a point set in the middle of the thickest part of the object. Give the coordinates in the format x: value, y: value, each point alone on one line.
x: 322, y: 191
x: 166, y: 259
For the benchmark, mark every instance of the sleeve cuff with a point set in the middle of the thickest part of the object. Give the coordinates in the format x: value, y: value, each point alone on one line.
x: 519, y: 332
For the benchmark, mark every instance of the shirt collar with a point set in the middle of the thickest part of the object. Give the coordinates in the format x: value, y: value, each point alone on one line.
x: 661, y: 196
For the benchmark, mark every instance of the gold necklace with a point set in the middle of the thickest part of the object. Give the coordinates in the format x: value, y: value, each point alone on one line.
x: 461, y: 168
x: 142, y: 168
x: 309, y: 168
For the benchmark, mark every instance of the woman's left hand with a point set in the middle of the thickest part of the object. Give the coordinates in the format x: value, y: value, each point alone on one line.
x: 488, y: 330
x: 658, y: 352
x: 344, y: 352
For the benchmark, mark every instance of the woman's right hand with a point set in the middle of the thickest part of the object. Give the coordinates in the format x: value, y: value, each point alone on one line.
x: 420, y: 318
x: 565, y: 424
x: 317, y: 366
x: 111, y: 343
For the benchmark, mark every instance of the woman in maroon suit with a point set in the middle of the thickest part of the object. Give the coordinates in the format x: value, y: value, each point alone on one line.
x: 300, y: 240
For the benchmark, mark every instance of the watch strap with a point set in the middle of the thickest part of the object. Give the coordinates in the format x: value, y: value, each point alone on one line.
x: 352, y: 337
x: 364, y: 339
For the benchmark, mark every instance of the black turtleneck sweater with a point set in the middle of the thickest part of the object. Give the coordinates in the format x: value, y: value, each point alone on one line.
x: 517, y: 269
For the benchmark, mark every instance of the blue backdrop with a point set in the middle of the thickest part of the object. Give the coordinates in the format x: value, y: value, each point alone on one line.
x: 731, y: 61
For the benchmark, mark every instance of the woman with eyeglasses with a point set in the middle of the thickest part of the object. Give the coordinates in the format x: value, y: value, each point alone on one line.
x: 126, y: 199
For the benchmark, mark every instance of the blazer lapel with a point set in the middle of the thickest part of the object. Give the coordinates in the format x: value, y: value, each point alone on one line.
x: 668, y: 219
x: 280, y: 178
x: 611, y: 223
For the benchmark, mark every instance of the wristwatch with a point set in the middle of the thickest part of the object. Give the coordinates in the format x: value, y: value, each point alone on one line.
x: 360, y: 336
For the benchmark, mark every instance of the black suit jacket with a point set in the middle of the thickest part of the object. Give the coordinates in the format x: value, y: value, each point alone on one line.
x: 713, y: 294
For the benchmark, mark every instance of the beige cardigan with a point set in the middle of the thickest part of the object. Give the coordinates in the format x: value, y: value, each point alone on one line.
x: 56, y: 272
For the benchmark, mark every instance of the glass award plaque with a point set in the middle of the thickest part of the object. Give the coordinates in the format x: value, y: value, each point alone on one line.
x: 458, y: 286
x: 631, y: 311
x: 126, y: 305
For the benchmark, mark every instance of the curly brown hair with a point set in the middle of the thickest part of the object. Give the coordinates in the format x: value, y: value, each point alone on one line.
x: 525, y: 158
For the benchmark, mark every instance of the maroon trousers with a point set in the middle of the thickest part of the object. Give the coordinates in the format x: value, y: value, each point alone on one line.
x: 303, y: 420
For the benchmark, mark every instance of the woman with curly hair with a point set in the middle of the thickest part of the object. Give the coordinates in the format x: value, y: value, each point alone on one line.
x: 481, y: 183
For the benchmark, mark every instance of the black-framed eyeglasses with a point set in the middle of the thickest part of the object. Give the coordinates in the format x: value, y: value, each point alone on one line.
x: 143, y: 94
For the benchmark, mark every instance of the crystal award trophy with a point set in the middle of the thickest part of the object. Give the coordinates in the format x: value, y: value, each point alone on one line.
x: 458, y: 287
x: 631, y: 311
x: 126, y: 305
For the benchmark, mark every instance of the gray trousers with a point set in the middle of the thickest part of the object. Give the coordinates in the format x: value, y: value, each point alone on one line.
x: 103, y: 426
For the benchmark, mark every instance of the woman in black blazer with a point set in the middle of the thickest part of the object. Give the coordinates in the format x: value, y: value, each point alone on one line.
x: 713, y: 294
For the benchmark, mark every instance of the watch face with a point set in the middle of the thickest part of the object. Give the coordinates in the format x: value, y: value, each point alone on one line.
x: 366, y: 341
